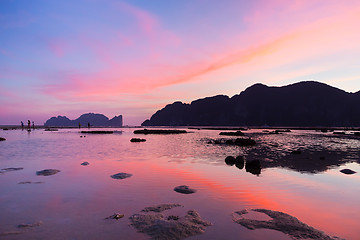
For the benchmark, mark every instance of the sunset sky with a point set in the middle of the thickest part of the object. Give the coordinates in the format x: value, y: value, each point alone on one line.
x: 134, y: 57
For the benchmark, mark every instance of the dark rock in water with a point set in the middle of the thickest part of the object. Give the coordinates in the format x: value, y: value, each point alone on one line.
x: 184, y: 189
x: 5, y: 129
x: 121, y: 175
x: 245, y: 142
x: 137, y: 140
x: 280, y: 222
x: 47, y: 172
x: 161, y: 207
x: 116, y: 216
x: 11, y: 169
x: 2, y: 139
x: 29, y: 182
x: 296, y: 152
x: 157, y: 226
x: 159, y: 131
x: 30, y: 225
x: 85, y: 163
x: 339, y: 133
x: 239, y: 162
x: 98, y: 132
x: 253, y: 167
x: 237, y: 133
x: 172, y: 217
x: 230, y: 160
x: 347, y: 171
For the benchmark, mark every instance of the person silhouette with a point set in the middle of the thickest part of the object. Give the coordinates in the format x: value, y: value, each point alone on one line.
x: 28, y: 124
x: 33, y: 125
x: 22, y: 125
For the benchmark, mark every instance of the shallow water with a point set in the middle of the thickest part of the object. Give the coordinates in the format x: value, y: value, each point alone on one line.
x: 74, y: 203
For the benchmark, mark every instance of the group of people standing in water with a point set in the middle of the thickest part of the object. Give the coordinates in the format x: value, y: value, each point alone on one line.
x: 28, y: 125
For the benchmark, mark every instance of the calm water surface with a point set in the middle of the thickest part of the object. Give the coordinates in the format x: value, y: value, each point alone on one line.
x: 73, y: 203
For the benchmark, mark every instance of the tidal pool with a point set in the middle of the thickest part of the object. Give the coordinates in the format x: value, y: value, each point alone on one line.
x: 75, y: 202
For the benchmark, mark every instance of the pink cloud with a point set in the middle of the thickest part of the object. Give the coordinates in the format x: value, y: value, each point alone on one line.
x: 146, y: 21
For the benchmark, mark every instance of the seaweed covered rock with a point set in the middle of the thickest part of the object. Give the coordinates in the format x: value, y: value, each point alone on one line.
x: 281, y: 222
x: 121, y: 175
x: 160, y: 226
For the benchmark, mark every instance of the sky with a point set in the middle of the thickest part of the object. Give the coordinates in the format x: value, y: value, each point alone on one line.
x: 134, y: 57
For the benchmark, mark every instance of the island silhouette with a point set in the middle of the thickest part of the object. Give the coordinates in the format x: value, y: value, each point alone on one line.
x: 94, y: 119
x: 303, y: 104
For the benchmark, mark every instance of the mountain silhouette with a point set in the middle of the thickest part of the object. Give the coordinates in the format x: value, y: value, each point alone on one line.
x: 303, y: 104
x: 94, y: 119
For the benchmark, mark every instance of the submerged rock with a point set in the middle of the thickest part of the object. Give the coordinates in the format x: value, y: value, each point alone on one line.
x: 137, y: 140
x: 161, y: 207
x: 85, y: 163
x: 184, y: 189
x: 347, y: 171
x: 121, y: 175
x: 30, y: 225
x: 116, y: 216
x: 47, y: 172
x: 158, y: 226
x: 281, y: 222
x: 29, y: 182
x: 2, y: 139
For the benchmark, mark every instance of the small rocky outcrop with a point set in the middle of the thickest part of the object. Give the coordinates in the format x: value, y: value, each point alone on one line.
x: 184, y: 189
x: 2, y: 139
x: 237, y: 133
x: 121, y: 175
x: 161, y: 226
x: 47, y: 172
x: 347, y: 171
x: 159, y: 131
x: 85, y: 163
x: 281, y: 222
x: 137, y: 140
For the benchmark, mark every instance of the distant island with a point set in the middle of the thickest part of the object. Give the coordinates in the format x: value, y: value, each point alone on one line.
x: 303, y: 104
x: 94, y: 119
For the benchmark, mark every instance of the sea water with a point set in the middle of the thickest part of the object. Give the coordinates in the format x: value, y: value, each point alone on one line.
x: 74, y: 203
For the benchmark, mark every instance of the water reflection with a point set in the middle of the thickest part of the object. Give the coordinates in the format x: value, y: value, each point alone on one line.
x: 77, y: 199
